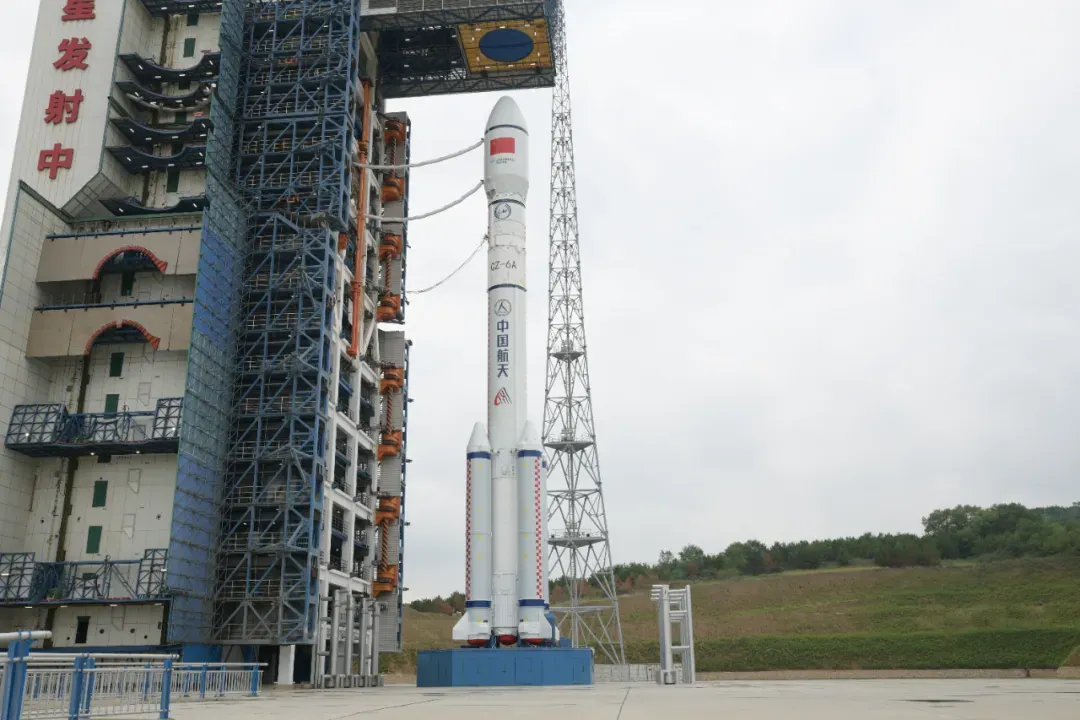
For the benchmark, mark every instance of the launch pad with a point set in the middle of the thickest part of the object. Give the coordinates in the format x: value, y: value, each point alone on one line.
x: 495, y: 667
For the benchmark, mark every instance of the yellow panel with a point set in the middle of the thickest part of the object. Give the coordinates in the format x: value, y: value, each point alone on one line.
x: 477, y: 62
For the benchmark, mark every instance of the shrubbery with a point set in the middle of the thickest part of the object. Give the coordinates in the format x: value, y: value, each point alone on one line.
x: 454, y: 603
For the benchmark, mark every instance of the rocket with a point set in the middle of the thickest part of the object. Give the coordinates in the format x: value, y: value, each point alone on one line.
x: 506, y: 477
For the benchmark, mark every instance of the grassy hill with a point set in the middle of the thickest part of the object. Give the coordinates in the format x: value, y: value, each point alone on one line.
x: 1009, y: 613
x: 1021, y: 593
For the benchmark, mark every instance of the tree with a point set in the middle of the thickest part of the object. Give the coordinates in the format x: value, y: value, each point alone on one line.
x: 953, y: 520
x: 692, y: 554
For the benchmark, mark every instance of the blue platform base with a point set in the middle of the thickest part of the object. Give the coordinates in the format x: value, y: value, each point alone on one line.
x: 490, y: 667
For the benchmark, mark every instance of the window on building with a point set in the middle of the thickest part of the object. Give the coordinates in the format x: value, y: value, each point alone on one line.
x: 189, y: 47
x: 112, y: 403
x: 82, y: 629
x: 172, y: 181
x: 183, y: 85
x: 93, y: 540
x: 177, y: 148
x: 101, y: 491
x: 116, y: 364
x: 104, y: 459
x: 192, y: 19
x: 127, y: 283
x: 181, y: 118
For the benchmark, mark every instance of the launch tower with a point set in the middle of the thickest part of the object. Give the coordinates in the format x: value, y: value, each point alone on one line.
x: 580, y: 556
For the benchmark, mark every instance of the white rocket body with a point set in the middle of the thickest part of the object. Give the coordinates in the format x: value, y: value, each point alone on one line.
x: 509, y: 602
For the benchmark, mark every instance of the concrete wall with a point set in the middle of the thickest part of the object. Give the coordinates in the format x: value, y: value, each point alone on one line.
x: 137, y: 512
x: 59, y: 333
x: 67, y: 259
x: 136, y: 516
x: 120, y: 625
x: 147, y: 376
x: 206, y: 35
x: 143, y: 35
x: 139, y: 484
x: 148, y: 286
x: 21, y: 379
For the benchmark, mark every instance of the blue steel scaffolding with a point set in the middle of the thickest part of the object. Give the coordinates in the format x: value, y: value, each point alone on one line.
x: 295, y: 137
x: 204, y: 430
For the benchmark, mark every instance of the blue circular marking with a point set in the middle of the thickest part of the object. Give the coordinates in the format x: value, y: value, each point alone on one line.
x: 506, y: 45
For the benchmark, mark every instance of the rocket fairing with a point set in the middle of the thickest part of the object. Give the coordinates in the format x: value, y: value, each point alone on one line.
x: 506, y: 517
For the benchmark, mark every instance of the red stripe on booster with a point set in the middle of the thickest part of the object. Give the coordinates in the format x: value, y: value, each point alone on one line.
x: 503, y: 146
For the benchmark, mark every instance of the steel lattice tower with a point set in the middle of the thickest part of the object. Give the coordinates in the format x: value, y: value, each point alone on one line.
x: 580, y: 555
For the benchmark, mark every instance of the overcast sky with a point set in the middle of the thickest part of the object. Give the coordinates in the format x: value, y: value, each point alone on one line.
x: 829, y: 253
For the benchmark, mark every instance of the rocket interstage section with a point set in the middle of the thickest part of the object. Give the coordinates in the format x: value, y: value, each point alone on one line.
x: 506, y: 584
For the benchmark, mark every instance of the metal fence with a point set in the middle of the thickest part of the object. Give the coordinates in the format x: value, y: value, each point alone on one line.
x: 630, y: 673
x: 45, y: 686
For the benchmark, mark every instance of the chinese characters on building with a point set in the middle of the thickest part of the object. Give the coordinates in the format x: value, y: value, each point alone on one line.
x: 56, y: 159
x: 78, y: 10
x: 63, y: 107
x: 74, y: 53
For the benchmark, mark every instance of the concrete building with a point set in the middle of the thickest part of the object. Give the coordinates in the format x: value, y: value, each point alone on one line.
x: 204, y: 372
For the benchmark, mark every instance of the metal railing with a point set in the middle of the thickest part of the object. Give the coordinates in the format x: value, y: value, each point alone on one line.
x: 42, y: 426
x: 337, y: 522
x: 26, y: 580
x: 343, y: 487
x: 631, y: 673
x: 43, y: 686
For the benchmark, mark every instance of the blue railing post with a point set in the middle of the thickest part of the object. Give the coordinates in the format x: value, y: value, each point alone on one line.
x: 166, y: 689
x: 222, y: 680
x: 9, y: 679
x: 88, y: 684
x: 15, y: 678
x: 146, y: 684
x: 202, y: 682
x: 77, y: 676
x: 255, y: 680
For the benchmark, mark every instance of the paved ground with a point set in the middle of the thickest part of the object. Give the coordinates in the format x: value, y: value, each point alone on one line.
x: 781, y: 700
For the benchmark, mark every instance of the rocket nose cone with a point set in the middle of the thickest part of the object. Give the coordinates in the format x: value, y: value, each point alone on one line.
x: 478, y: 441
x: 530, y: 437
x: 506, y: 112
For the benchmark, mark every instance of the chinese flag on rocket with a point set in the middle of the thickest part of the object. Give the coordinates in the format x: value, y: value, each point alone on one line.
x: 503, y: 146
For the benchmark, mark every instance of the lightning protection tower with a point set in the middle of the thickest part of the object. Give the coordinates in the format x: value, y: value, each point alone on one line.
x: 580, y: 554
